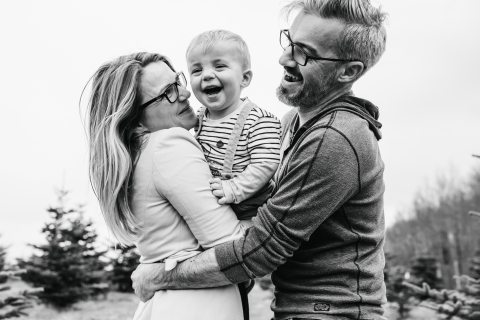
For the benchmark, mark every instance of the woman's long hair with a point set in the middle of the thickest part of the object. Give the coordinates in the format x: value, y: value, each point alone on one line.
x: 115, y: 138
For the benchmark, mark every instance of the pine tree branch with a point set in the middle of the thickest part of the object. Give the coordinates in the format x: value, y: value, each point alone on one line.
x: 13, y: 304
x: 13, y: 273
x: 474, y: 213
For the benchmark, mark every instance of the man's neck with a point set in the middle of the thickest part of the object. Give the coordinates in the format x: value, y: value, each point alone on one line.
x: 306, y: 114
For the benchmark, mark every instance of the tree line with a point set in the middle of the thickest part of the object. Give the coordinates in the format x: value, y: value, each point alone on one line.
x: 433, y: 252
x: 69, y: 267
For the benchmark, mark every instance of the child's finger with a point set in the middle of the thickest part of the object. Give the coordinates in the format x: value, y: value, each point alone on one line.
x: 215, y: 180
x: 218, y: 193
x: 216, y: 186
x: 222, y: 200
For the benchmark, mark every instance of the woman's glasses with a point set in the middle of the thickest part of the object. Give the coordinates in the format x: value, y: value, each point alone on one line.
x: 171, y: 92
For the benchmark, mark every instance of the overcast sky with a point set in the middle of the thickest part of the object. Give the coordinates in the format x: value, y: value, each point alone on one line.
x: 425, y: 85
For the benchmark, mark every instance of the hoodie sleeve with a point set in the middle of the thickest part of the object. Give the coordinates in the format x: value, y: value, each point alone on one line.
x: 320, y: 176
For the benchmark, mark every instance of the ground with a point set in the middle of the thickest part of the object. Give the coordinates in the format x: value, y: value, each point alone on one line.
x: 121, y: 306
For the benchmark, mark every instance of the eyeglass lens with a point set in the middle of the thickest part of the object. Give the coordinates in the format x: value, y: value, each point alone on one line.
x: 172, y: 93
x: 172, y: 90
x: 297, y: 53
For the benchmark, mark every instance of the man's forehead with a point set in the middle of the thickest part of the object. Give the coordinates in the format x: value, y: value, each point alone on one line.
x: 316, y: 32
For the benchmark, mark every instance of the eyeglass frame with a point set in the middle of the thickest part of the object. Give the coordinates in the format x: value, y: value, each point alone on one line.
x: 286, y: 32
x: 164, y: 94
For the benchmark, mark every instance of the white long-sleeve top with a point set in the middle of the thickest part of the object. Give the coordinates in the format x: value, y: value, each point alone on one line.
x: 172, y: 199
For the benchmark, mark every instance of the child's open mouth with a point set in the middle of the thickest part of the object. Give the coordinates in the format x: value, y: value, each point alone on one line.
x: 212, y: 90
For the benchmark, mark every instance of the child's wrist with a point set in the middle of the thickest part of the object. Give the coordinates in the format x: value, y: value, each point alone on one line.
x: 228, y: 191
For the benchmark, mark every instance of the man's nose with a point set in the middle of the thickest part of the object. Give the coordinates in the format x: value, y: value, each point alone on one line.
x: 286, y: 59
x: 183, y: 94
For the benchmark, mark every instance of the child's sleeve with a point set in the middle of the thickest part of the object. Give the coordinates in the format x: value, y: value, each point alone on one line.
x: 263, y: 143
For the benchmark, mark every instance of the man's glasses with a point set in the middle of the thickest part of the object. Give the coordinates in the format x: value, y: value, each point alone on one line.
x: 298, y: 53
x: 171, y: 92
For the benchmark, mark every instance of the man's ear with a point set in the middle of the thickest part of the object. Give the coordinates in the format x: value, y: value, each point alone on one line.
x: 247, y: 78
x: 351, y: 71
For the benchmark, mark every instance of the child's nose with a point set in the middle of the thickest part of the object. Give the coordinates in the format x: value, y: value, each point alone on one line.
x: 208, y: 74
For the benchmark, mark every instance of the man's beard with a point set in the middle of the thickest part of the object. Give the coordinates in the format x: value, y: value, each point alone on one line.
x: 312, y: 93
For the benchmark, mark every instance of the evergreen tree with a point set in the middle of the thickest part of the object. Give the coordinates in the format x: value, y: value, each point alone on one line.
x: 475, y: 265
x: 13, y: 304
x: 394, y: 277
x: 424, y: 269
x: 68, y: 266
x: 3, y: 252
x: 123, y: 267
x: 475, y: 261
x: 461, y: 303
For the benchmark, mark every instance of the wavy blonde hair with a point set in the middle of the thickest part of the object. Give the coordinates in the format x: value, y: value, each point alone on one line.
x: 116, y: 137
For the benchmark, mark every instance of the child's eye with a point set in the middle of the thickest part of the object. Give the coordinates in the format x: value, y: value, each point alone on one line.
x: 220, y: 66
x: 196, y: 71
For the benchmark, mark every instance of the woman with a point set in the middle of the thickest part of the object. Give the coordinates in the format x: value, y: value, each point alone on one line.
x: 151, y: 179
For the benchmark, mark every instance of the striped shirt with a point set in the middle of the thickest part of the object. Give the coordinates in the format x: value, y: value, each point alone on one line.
x: 259, y: 141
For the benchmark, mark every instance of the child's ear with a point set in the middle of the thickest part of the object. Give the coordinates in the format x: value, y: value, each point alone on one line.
x: 247, y: 78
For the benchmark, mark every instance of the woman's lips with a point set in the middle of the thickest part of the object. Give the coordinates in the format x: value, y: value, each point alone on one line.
x: 187, y: 107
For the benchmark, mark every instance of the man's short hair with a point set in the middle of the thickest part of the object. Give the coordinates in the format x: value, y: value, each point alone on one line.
x: 364, y: 36
x: 209, y: 38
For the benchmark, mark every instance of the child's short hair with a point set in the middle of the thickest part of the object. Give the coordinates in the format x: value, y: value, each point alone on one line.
x: 209, y: 38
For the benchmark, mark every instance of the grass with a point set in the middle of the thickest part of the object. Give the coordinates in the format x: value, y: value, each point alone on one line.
x: 122, y: 306
x: 117, y: 306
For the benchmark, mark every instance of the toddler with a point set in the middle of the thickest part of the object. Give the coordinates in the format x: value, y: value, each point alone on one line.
x: 241, y: 141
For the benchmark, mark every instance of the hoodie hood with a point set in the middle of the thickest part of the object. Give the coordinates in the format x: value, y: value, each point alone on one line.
x: 361, y: 107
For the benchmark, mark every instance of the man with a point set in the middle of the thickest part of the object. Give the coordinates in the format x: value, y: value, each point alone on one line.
x: 321, y: 233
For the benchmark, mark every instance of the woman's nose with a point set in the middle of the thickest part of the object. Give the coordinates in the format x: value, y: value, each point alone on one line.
x: 286, y: 59
x: 183, y: 93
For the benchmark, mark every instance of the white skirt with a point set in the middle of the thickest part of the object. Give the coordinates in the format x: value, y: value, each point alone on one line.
x: 221, y: 303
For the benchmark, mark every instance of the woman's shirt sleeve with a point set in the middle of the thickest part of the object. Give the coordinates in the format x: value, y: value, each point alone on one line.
x: 181, y: 176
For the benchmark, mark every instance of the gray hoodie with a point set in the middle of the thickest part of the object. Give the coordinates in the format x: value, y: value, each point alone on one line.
x: 322, y: 231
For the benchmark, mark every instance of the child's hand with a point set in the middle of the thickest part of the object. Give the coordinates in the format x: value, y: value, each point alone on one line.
x: 217, y: 190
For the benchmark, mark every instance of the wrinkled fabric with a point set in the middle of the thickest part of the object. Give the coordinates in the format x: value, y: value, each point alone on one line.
x: 322, y: 231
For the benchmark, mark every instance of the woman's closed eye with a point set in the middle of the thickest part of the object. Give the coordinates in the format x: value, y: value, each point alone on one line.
x: 169, y: 90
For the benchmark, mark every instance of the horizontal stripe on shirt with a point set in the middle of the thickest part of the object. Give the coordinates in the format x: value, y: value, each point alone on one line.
x: 259, y: 141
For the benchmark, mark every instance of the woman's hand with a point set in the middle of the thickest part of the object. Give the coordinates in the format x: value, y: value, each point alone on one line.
x: 147, y: 279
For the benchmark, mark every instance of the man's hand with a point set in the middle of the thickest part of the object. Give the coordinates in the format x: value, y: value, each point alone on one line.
x: 201, y: 271
x: 147, y: 279
x: 217, y: 190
